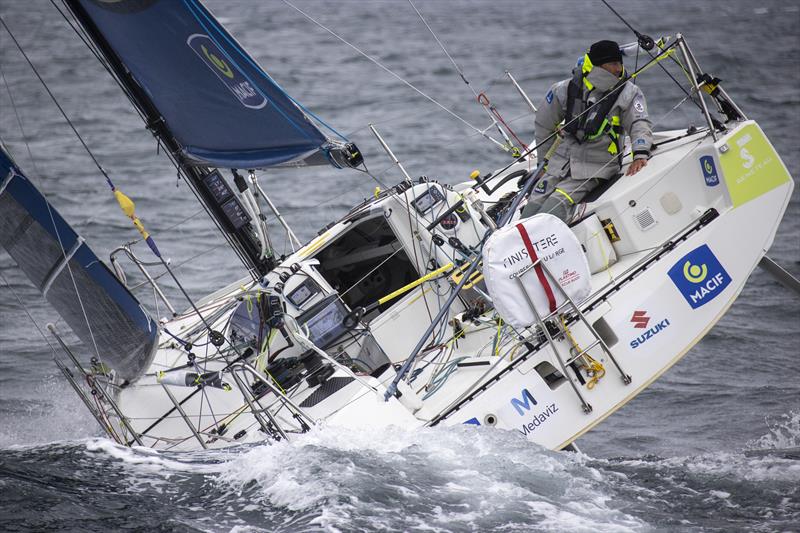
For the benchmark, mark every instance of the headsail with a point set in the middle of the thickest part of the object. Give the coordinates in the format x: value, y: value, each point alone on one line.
x: 219, y: 105
x: 98, y: 308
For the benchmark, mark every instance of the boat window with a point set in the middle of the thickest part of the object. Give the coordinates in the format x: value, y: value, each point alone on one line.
x: 551, y: 376
x: 606, y: 333
x: 366, y: 263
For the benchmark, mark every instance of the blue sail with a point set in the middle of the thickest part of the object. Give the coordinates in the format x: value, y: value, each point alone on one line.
x: 90, y: 299
x: 220, y: 106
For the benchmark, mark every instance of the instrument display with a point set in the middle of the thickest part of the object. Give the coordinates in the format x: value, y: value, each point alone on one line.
x: 235, y: 213
x: 217, y: 186
x: 303, y: 292
x: 425, y: 201
x: 324, y: 321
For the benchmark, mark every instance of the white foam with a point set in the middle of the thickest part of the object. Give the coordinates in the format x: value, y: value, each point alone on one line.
x: 431, y: 479
x: 784, y: 432
x: 147, y: 459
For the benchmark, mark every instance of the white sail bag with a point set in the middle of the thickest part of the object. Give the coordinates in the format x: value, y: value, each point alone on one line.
x: 513, y: 251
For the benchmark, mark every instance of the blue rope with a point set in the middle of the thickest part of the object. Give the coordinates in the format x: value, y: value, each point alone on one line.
x: 183, y: 342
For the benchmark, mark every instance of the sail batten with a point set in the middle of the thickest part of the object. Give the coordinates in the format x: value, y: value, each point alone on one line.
x: 220, y: 107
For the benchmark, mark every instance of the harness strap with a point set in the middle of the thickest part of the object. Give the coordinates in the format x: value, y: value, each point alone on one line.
x: 551, y: 299
x: 590, y: 127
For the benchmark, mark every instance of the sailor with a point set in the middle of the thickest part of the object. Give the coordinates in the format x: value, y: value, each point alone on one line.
x: 591, y: 144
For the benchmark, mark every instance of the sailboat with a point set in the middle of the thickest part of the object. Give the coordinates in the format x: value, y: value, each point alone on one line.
x: 427, y: 304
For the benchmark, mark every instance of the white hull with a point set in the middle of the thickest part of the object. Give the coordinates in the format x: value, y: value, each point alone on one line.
x: 508, y: 390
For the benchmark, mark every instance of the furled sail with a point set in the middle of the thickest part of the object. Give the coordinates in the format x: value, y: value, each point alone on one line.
x: 219, y: 105
x: 90, y: 299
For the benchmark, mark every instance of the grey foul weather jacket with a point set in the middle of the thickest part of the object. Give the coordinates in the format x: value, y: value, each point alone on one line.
x: 593, y: 158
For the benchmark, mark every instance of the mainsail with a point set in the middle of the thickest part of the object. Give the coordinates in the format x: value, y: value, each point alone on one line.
x: 223, y: 110
x: 100, y: 310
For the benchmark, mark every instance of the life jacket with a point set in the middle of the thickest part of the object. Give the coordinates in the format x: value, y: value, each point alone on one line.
x: 590, y: 126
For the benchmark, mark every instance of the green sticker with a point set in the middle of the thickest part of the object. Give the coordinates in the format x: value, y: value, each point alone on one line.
x: 751, y: 167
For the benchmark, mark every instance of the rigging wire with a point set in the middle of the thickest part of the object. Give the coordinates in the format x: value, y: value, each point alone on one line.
x: 93, y: 49
x: 80, y: 32
x: 373, y: 176
x: 461, y: 73
x: 55, y: 101
x: 47, y: 202
x: 395, y: 75
x: 125, y: 203
x: 647, y: 43
x: 613, y: 92
x: 483, y: 99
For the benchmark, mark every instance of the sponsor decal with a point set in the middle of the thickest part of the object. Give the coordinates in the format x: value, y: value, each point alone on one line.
x: 747, y: 158
x: 568, y: 276
x: 699, y: 276
x: 540, y: 187
x: 638, y: 105
x: 751, y: 167
x: 542, y: 245
x: 640, y: 320
x: 709, y: 170
x: 525, y: 405
x: 549, y: 97
x: 226, y: 71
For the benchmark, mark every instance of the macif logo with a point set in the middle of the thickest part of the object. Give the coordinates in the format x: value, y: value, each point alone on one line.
x: 709, y: 170
x: 699, y: 276
x: 526, y: 402
x: 226, y: 71
x: 640, y: 319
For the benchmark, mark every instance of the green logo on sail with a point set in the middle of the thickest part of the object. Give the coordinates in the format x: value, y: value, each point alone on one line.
x: 226, y: 71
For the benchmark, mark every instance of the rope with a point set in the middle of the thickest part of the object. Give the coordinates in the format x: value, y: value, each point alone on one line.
x: 530, y: 150
x: 643, y: 39
x: 593, y: 367
x: 126, y: 204
x: 484, y: 101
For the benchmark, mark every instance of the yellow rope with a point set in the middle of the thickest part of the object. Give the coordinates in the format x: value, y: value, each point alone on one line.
x: 497, y: 337
x: 261, y: 360
x: 592, y: 366
x: 606, y: 259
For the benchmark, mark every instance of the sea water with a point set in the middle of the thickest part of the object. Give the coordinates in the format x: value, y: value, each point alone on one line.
x: 713, y: 445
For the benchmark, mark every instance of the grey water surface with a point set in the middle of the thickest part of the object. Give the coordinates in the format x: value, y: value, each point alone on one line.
x: 713, y: 445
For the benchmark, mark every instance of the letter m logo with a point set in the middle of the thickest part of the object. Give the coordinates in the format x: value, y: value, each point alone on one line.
x: 526, y: 402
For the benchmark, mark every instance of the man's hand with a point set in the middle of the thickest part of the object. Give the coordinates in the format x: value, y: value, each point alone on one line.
x: 636, y: 166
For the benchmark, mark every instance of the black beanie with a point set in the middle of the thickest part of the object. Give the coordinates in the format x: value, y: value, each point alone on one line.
x: 603, y: 52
